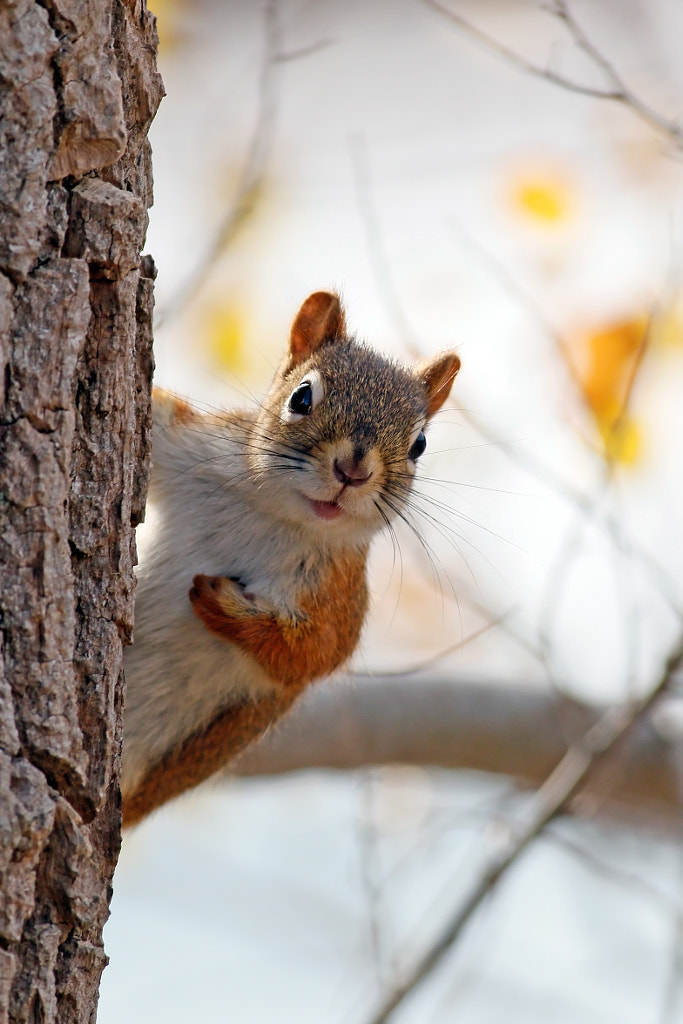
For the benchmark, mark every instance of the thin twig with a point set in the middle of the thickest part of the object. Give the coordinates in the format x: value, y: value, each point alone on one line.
x: 616, y: 92
x: 673, y: 993
x: 607, y: 870
x: 555, y: 579
x: 304, y: 51
x: 558, y: 789
x: 549, y: 477
x: 360, y: 162
x: 517, y: 60
x: 502, y: 276
x: 560, y: 9
x: 434, y: 659
x: 587, y: 506
x: 367, y: 841
x: 253, y: 174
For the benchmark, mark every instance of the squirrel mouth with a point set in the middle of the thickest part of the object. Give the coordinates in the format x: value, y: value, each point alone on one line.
x: 326, y: 509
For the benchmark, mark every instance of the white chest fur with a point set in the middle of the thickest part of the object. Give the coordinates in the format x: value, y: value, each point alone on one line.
x: 205, y: 519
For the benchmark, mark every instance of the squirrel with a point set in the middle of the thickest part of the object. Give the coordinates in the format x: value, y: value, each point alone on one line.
x: 255, y: 584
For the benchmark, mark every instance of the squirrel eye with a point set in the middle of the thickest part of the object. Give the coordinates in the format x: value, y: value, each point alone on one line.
x: 304, y: 398
x: 419, y: 445
x: 301, y: 399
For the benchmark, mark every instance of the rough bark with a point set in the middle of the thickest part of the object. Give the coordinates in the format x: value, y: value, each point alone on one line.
x: 78, y: 90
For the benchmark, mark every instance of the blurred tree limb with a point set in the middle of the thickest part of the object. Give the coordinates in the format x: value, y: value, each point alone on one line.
x: 582, y: 760
x: 249, y: 189
x: 492, y: 727
x: 250, y: 184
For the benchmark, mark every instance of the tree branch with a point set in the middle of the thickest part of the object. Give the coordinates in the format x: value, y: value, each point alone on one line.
x: 616, y: 92
x: 500, y: 728
x: 564, y: 783
x: 253, y: 173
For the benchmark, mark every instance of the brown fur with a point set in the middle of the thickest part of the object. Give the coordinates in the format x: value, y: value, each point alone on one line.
x: 294, y: 653
x: 295, y: 649
x: 291, y: 651
x: 175, y: 409
x: 320, y: 319
x: 205, y: 752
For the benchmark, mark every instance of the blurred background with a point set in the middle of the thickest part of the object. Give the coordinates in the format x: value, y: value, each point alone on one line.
x: 504, y: 178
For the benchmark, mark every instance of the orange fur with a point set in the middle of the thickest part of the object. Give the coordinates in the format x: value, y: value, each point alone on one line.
x: 438, y: 374
x: 292, y: 649
x: 176, y: 409
x: 205, y: 752
x: 320, y: 320
x: 293, y: 652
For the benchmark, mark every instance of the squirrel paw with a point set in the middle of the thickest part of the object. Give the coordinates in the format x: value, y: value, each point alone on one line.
x: 222, y: 596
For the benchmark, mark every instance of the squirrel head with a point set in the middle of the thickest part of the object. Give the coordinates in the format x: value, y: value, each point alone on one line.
x: 338, y: 437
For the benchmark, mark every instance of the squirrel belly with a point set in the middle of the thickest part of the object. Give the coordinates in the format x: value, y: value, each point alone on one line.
x: 254, y: 585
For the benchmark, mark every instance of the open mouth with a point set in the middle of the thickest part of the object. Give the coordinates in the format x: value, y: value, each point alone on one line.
x: 326, y: 509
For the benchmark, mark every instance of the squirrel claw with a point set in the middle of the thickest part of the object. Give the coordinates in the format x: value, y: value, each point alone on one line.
x: 221, y: 594
x: 246, y: 594
x: 205, y: 587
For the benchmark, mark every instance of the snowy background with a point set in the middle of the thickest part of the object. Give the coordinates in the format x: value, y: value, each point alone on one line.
x: 454, y: 200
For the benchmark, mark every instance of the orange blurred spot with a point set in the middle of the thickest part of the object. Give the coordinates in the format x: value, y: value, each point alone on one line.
x: 607, y: 363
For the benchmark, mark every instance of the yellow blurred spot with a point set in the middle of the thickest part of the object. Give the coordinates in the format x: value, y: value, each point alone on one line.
x: 622, y: 441
x: 545, y: 198
x: 225, y: 330
x: 169, y: 22
x: 668, y: 329
x: 608, y: 362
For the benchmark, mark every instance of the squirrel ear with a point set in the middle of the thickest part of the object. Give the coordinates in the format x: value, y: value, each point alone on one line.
x: 437, y: 374
x: 320, y: 320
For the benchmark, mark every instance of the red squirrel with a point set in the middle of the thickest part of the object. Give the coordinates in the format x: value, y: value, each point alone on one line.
x: 255, y: 583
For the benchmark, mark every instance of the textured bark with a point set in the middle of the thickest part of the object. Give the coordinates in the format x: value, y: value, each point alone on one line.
x: 78, y: 89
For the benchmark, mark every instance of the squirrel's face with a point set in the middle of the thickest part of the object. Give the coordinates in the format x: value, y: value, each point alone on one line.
x: 338, y: 438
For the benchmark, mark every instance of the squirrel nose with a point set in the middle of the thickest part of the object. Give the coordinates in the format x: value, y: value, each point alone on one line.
x: 348, y: 471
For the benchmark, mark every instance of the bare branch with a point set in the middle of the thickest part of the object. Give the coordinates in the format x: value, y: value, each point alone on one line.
x: 518, y: 61
x: 559, y: 569
x: 673, y: 993
x: 614, y: 529
x: 608, y: 871
x: 561, y: 10
x: 253, y: 174
x: 360, y: 161
x: 429, y: 662
x: 507, y: 729
x: 563, y: 784
x: 372, y: 889
x: 617, y: 91
x: 256, y: 163
x: 304, y: 51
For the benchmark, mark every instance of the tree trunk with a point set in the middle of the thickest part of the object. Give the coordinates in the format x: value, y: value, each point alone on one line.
x: 78, y: 90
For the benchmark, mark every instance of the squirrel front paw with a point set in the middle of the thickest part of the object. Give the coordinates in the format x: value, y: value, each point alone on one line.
x: 226, y: 609
x: 224, y: 596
